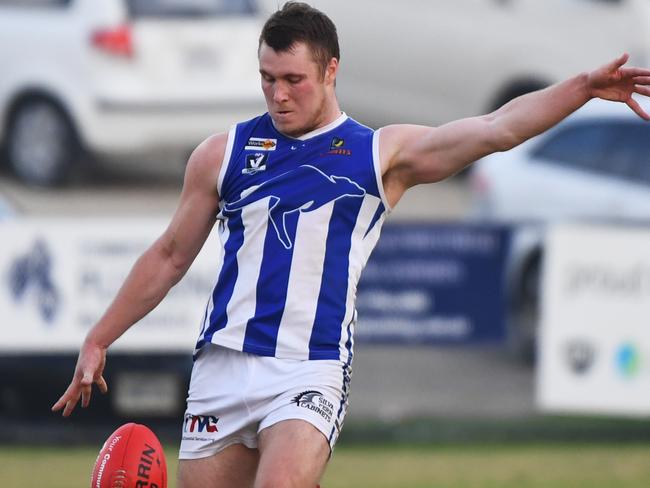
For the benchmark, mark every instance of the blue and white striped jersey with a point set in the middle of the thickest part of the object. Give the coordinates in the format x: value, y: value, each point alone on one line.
x: 298, y: 220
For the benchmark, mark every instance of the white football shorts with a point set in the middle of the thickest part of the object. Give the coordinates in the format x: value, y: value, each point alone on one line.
x: 234, y: 395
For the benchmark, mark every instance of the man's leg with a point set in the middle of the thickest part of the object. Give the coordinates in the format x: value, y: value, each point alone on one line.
x: 234, y: 467
x: 293, y: 454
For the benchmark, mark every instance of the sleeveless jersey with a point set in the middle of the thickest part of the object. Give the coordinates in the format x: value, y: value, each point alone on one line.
x: 298, y: 220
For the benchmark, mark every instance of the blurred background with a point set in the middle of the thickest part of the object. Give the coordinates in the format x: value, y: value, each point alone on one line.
x: 503, y: 336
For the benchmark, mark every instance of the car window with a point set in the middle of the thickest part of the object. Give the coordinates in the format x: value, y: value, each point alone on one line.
x: 616, y: 148
x: 190, y: 8
x: 629, y: 151
x: 578, y: 145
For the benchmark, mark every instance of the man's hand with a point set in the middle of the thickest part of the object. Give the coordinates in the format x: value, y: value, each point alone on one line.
x: 615, y: 83
x: 89, y: 370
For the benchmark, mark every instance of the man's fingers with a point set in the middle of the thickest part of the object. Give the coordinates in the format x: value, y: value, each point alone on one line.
x: 635, y: 72
x: 64, y: 398
x: 642, y: 80
x: 87, y: 379
x: 59, y: 404
x: 618, y: 62
x: 634, y: 105
x: 642, y: 90
x: 86, y: 388
x: 101, y: 383
x: 70, y: 406
x: 86, y: 393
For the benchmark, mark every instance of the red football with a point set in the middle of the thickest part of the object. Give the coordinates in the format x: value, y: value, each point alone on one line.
x: 131, y: 457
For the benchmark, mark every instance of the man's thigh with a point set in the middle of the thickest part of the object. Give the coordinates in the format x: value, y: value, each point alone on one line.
x: 293, y: 454
x: 234, y: 467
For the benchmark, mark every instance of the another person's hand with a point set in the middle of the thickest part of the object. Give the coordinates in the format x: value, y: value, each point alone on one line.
x: 617, y: 83
x: 89, y: 370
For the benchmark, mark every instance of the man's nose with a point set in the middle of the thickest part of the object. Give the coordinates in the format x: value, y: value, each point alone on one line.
x: 280, y: 94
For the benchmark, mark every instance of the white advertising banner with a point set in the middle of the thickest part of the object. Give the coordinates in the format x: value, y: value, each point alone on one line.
x: 595, y: 330
x: 58, y: 276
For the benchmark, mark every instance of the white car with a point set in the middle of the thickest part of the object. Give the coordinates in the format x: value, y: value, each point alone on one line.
x: 429, y: 62
x: 594, y: 165
x: 121, y: 78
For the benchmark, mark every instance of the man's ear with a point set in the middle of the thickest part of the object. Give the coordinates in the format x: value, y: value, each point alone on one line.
x: 331, y: 71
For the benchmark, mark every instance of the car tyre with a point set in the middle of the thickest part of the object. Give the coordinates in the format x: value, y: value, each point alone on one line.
x: 527, y: 312
x: 42, y: 145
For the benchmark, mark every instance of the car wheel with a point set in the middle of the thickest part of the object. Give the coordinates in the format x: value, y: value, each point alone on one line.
x: 41, y: 143
x: 527, y: 312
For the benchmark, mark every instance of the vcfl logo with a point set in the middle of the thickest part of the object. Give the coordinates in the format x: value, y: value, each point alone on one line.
x: 199, y: 423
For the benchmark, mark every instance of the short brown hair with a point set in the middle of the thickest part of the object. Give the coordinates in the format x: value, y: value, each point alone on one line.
x: 300, y: 22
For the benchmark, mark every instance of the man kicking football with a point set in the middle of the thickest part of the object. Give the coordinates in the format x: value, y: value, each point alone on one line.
x: 299, y: 196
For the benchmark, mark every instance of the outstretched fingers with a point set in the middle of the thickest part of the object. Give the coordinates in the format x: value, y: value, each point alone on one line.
x: 634, y: 105
x: 642, y: 90
x: 635, y: 73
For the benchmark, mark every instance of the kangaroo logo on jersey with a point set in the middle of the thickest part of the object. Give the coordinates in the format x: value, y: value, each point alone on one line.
x: 261, y: 144
x: 303, y: 189
x: 255, y: 163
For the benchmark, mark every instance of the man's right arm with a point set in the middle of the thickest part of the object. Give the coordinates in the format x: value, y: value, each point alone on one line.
x: 158, y: 269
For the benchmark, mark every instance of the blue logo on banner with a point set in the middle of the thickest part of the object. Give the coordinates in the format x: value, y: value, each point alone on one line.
x: 31, y: 273
x: 628, y: 360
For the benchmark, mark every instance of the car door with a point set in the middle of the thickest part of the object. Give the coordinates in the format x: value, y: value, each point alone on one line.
x: 556, y: 177
x: 629, y: 168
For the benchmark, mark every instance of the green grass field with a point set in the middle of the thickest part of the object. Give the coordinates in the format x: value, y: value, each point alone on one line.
x: 486, y: 466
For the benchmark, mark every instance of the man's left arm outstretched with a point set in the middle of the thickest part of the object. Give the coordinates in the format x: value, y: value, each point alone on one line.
x: 411, y: 155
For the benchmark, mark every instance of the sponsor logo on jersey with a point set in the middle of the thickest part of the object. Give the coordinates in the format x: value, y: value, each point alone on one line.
x: 255, y: 163
x: 261, y: 144
x: 200, y: 423
x: 315, y: 401
x: 340, y: 152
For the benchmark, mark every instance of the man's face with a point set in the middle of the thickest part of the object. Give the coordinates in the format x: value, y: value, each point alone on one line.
x: 296, y: 91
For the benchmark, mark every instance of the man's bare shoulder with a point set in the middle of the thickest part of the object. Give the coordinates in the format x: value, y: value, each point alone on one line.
x: 205, y: 162
x: 396, y: 140
x: 209, y: 153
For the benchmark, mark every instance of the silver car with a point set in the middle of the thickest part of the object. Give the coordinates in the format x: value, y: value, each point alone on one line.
x: 595, y: 165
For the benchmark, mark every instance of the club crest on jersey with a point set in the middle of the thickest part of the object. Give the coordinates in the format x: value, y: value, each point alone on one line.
x: 336, y: 147
x: 261, y: 144
x: 255, y: 163
x: 337, y: 143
